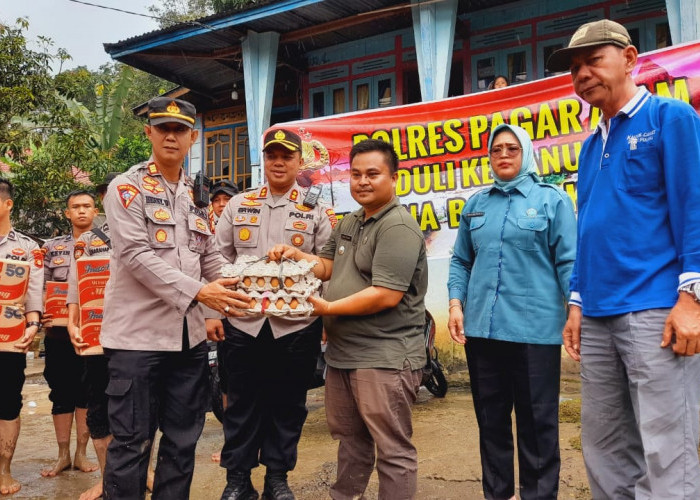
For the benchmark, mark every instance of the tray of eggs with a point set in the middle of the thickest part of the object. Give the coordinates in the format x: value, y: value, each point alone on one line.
x: 274, y: 288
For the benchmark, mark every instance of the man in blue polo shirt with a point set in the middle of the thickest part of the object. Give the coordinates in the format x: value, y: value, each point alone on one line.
x: 634, y: 321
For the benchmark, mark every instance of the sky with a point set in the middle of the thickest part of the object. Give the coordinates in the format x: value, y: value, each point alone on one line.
x: 78, y: 28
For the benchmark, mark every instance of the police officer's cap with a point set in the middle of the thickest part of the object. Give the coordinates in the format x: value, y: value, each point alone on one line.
x: 102, y: 186
x: 223, y: 186
x: 284, y: 137
x: 168, y: 110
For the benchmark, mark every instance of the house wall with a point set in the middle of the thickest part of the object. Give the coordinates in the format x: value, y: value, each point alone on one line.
x: 513, y: 40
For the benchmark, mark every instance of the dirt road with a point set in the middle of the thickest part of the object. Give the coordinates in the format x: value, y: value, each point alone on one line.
x: 445, y: 434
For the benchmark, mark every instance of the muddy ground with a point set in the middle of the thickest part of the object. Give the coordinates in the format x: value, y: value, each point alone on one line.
x: 445, y: 434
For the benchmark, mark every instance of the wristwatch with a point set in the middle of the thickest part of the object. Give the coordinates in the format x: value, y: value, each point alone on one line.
x: 33, y: 323
x: 693, y: 289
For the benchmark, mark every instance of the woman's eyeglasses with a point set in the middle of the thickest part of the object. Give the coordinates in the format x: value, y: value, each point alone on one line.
x: 508, y: 149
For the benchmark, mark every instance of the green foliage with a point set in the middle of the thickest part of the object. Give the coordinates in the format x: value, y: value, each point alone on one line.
x: 110, y: 108
x: 177, y: 11
x: 52, y: 127
x: 25, y: 79
x: 130, y: 151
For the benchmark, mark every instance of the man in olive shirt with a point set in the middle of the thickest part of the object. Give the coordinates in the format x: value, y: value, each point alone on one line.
x: 374, y: 316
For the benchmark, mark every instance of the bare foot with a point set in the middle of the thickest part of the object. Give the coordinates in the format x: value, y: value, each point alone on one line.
x: 81, y: 463
x: 216, y: 457
x: 8, y: 485
x: 150, y: 478
x: 61, y: 464
x: 93, y: 493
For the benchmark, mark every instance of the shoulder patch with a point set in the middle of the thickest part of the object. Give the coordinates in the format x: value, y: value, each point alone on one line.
x: 332, y: 218
x: 78, y: 249
x: 38, y: 258
x: 127, y: 194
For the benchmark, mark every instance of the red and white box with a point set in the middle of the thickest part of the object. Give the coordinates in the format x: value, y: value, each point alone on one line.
x: 56, y: 294
x: 93, y: 273
x: 90, y: 326
x: 12, y: 325
x: 14, y: 281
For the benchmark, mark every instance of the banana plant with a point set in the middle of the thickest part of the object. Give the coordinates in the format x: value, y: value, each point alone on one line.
x: 109, y: 110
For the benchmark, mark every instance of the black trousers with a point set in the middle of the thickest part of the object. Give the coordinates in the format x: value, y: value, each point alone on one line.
x: 12, y: 365
x: 64, y: 371
x: 96, y: 381
x: 507, y: 375
x: 267, y: 383
x: 149, y: 390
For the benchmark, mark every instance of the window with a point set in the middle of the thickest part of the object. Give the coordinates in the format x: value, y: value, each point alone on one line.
x: 227, y: 156
x: 374, y: 92
x: 513, y: 63
x: 339, y: 101
x: 650, y: 34
x: 318, y: 103
x: 328, y: 99
x: 485, y: 72
x: 546, y: 49
x: 243, y: 172
x: 218, y: 158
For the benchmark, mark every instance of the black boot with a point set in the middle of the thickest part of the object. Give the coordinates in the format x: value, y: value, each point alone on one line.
x: 239, y: 486
x: 276, y: 487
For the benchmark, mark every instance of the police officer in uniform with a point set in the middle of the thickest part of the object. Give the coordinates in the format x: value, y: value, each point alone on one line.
x: 16, y: 246
x: 95, y: 242
x: 64, y: 370
x: 270, y: 361
x: 153, y: 330
x: 221, y: 193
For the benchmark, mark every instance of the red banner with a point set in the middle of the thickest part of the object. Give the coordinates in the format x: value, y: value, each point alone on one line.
x: 442, y: 144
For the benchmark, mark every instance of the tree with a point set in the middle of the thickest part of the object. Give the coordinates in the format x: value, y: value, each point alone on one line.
x: 25, y: 78
x: 177, y: 11
x: 50, y: 138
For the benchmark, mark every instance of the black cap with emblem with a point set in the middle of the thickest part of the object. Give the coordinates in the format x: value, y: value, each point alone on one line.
x: 283, y: 137
x: 168, y: 110
x: 101, y: 188
x: 223, y: 186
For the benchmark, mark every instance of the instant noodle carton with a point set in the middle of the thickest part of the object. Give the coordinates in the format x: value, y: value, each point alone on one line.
x: 56, y: 293
x: 90, y: 325
x: 14, y: 280
x: 12, y: 325
x: 93, y: 273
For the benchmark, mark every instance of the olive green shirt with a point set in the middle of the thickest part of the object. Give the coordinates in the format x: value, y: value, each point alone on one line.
x: 386, y: 250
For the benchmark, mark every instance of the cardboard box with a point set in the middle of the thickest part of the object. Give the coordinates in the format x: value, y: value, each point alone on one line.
x: 56, y: 294
x: 12, y: 325
x: 90, y: 325
x: 14, y: 281
x: 93, y: 273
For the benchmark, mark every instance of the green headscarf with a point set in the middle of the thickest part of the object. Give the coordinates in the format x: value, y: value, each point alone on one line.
x: 528, y: 168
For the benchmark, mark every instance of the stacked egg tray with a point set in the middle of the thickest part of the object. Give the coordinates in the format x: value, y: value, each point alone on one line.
x: 275, y: 288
